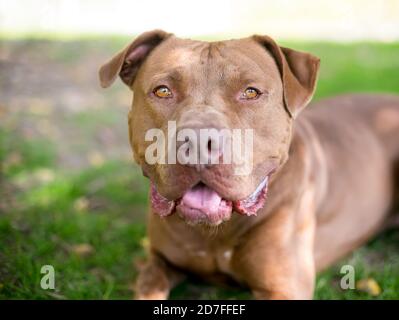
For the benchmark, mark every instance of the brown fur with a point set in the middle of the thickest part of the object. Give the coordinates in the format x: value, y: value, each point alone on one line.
x: 333, y: 184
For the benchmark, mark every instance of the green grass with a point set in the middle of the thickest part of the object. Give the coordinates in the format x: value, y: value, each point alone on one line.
x: 47, y: 209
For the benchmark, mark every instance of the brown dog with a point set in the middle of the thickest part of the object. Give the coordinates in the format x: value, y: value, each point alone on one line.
x: 328, y: 176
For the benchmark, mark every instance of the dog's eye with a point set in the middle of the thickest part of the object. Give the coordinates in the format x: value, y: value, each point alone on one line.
x: 163, y: 92
x: 251, y: 93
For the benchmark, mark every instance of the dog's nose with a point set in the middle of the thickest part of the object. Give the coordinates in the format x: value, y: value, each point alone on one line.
x: 199, y: 146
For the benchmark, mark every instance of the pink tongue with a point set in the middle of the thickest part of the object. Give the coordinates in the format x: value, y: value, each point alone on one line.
x: 202, y: 198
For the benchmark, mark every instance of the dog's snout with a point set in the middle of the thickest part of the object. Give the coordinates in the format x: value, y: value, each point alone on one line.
x: 199, y: 146
x: 215, y: 145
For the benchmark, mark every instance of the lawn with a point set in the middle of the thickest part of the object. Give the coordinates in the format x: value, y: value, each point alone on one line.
x: 71, y: 196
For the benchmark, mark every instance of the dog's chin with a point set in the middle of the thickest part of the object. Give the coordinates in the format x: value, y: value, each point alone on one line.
x: 203, y: 205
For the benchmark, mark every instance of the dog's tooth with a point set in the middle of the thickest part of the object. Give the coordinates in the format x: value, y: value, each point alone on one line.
x: 253, y: 203
x: 258, y: 189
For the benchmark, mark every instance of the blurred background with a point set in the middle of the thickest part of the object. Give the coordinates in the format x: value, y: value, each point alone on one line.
x: 70, y: 194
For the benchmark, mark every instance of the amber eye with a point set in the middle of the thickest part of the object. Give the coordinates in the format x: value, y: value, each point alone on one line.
x: 163, y: 92
x: 251, y: 93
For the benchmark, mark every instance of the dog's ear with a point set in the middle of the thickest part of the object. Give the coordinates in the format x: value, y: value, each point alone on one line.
x: 298, y: 72
x: 127, y: 62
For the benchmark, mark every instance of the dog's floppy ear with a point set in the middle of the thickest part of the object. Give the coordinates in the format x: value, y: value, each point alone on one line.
x: 127, y: 62
x: 298, y: 72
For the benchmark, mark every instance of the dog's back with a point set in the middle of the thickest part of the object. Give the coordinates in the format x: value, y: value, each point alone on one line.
x: 359, y: 138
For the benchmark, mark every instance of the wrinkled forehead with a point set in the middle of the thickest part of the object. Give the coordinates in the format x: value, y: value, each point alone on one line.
x: 229, y: 60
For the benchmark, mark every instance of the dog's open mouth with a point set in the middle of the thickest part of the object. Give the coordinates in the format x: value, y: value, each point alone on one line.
x: 202, y: 204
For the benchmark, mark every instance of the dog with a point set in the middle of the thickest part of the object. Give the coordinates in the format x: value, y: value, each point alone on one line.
x: 320, y: 185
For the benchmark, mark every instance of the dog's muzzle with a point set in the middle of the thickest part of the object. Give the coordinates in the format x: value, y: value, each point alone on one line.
x: 202, y: 204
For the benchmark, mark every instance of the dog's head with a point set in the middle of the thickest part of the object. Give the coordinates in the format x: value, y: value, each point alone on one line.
x: 246, y: 91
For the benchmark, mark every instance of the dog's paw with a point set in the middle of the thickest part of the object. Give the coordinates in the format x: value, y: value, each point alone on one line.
x: 155, y: 295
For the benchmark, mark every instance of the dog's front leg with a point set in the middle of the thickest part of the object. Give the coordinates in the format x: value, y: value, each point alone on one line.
x: 156, y: 279
x: 276, y: 260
